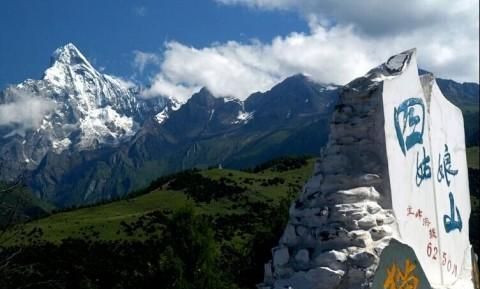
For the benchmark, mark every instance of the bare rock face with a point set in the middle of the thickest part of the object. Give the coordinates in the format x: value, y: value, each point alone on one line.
x: 345, y: 217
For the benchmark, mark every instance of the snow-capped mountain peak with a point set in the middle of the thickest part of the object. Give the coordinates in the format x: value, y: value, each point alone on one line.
x: 65, y: 62
x: 70, y: 55
x: 103, y: 107
x: 91, y: 109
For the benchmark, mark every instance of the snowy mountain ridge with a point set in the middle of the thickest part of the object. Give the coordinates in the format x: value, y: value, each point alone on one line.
x: 84, y: 109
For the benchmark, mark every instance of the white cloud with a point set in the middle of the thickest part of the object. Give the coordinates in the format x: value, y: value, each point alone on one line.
x: 374, y: 16
x: 231, y: 69
x: 164, y: 87
x: 342, y: 44
x: 25, y: 111
x: 143, y: 59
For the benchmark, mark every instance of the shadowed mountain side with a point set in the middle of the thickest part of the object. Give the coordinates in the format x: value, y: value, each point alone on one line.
x: 18, y: 204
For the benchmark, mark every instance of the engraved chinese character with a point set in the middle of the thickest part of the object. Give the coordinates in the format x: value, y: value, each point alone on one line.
x: 419, y: 214
x: 445, y: 167
x: 410, y: 211
x: 426, y: 222
x: 423, y: 169
x: 450, y: 222
x: 396, y: 279
x: 409, y: 120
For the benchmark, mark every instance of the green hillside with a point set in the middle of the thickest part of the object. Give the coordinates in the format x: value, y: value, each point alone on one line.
x: 234, y: 217
x: 213, y: 192
x: 18, y: 204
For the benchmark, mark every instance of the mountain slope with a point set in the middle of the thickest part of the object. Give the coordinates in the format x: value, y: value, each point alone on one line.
x: 205, y: 131
x: 121, y: 244
x: 211, y: 191
x: 18, y: 204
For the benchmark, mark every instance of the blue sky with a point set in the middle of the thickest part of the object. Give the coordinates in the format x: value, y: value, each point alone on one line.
x: 236, y: 47
x: 108, y: 31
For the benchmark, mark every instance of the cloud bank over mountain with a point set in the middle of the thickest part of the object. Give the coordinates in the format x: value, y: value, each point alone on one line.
x: 344, y: 40
x: 26, y: 111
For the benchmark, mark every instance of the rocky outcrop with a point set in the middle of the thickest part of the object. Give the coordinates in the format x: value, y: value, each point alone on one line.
x: 342, y: 220
x: 344, y: 217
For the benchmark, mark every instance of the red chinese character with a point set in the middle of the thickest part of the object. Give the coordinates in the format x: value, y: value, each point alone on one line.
x: 410, y: 211
x: 418, y: 214
x: 426, y: 222
x: 433, y: 233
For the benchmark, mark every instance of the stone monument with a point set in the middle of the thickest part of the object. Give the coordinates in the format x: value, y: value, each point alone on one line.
x: 393, y: 177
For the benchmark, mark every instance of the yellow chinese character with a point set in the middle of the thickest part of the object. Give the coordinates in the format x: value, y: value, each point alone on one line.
x: 396, y: 279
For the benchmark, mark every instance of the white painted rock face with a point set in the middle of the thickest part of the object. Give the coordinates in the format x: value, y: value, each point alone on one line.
x: 395, y: 142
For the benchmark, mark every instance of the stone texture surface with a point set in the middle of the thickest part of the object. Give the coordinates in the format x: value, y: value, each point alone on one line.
x: 343, y: 218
